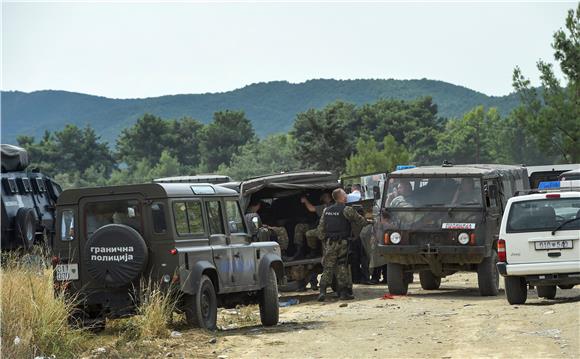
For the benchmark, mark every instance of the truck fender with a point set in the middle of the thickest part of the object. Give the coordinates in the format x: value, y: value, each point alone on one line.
x: 193, y: 276
x: 270, y: 260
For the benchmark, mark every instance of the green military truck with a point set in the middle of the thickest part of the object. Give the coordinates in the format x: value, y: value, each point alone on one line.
x: 192, y: 238
x: 438, y: 220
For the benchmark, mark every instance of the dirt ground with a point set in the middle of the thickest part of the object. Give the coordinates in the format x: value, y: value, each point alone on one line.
x: 453, y: 322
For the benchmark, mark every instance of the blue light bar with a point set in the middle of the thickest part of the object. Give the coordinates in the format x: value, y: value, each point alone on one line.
x: 404, y: 167
x: 549, y: 184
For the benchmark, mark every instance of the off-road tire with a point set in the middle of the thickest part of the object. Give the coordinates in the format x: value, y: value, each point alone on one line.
x: 398, y: 285
x: 269, y: 308
x: 488, y: 276
x: 201, y: 309
x: 516, y: 290
x: 566, y: 286
x: 429, y: 281
x: 546, y: 291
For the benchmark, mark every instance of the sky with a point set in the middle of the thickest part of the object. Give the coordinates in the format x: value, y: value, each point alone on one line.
x: 134, y: 50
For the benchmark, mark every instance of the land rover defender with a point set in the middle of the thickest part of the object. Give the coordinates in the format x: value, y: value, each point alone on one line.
x: 190, y: 238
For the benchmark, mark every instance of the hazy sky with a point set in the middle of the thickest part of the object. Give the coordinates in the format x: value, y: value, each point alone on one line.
x: 147, y: 49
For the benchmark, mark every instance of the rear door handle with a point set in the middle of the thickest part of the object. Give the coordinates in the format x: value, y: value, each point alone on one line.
x: 554, y: 254
x: 237, y: 255
x: 217, y: 257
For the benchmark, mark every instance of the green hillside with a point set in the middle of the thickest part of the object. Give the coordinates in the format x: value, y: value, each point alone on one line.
x: 270, y: 106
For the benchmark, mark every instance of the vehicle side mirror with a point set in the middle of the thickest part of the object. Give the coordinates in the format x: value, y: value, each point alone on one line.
x: 233, y: 227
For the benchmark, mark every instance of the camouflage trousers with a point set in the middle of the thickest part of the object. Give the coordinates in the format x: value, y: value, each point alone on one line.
x: 281, y: 236
x: 335, y: 263
x: 302, y: 231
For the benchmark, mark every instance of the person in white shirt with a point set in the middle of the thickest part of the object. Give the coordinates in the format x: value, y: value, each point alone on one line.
x: 354, y: 195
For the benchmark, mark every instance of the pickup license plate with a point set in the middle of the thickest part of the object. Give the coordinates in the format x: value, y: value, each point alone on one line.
x: 66, y: 272
x: 553, y: 245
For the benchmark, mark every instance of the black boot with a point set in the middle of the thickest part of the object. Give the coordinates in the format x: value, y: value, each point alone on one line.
x: 345, y: 295
x: 322, y: 295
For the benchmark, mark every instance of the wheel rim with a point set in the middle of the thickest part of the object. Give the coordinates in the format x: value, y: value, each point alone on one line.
x: 205, y: 304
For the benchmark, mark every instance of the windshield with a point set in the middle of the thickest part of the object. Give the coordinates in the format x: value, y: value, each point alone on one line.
x: 434, y: 192
x: 544, y: 215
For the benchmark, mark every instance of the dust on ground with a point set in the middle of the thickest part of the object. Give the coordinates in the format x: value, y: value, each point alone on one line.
x: 453, y: 322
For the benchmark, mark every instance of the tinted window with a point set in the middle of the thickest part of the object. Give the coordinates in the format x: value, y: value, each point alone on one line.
x: 188, y: 217
x: 544, y: 215
x: 214, y: 214
x: 234, y: 216
x: 127, y: 212
x: 158, y: 212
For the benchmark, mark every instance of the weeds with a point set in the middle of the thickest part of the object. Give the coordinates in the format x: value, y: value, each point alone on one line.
x: 34, y: 320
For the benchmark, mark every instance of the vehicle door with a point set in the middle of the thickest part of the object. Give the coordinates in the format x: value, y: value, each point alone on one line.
x: 219, y: 242
x: 494, y: 207
x: 98, y: 212
x: 244, y: 254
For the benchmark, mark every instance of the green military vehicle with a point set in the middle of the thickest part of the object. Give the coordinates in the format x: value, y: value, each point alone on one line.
x: 189, y: 237
x: 281, y: 197
x: 442, y: 219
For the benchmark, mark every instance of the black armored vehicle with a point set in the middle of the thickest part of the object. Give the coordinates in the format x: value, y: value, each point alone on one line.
x: 189, y: 237
x: 28, y: 202
x: 442, y: 219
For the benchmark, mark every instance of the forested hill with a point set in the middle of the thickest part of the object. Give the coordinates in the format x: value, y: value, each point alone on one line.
x: 270, y: 106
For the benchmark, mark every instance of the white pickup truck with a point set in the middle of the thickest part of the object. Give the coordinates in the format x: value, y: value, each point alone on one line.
x: 539, y: 244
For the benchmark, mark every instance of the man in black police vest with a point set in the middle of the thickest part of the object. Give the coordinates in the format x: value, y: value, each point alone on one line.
x: 335, y: 227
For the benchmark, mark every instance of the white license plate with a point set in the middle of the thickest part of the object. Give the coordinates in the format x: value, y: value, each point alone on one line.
x: 553, y: 245
x: 66, y: 272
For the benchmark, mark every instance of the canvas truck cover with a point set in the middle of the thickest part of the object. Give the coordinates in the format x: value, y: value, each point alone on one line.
x: 14, y: 158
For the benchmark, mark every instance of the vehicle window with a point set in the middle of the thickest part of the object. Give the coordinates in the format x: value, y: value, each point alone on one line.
x: 127, y: 212
x: 434, y: 192
x: 158, y: 212
x: 67, y: 225
x: 234, y: 216
x: 544, y: 215
x: 188, y: 217
x: 214, y: 214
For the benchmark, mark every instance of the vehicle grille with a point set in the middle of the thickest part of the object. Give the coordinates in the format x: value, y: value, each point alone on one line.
x: 432, y: 238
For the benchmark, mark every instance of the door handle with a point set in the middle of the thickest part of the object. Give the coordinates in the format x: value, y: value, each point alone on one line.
x: 237, y: 255
x: 217, y: 256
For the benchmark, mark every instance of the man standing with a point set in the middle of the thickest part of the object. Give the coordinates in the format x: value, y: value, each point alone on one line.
x: 335, y: 226
x: 303, y: 231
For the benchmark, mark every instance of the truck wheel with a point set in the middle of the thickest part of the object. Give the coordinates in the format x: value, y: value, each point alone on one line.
x: 566, y: 286
x: 516, y: 290
x: 488, y: 276
x: 396, y: 280
x: 26, y: 226
x: 547, y: 291
x: 201, y: 309
x: 429, y: 281
x: 269, y: 309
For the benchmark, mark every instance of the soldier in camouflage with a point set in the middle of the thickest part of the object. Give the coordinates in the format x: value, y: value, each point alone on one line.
x: 335, y: 226
x: 280, y: 232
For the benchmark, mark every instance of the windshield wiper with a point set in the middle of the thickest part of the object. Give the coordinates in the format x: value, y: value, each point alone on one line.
x: 434, y: 205
x: 469, y: 203
x: 563, y: 224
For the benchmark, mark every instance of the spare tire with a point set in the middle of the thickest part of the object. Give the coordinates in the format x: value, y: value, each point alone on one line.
x: 26, y: 226
x: 115, y: 255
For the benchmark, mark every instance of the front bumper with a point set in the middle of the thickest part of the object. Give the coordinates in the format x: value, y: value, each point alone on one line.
x: 397, y: 249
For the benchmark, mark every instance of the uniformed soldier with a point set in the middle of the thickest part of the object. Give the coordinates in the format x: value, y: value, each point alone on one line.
x: 304, y: 231
x: 335, y: 225
x: 280, y: 232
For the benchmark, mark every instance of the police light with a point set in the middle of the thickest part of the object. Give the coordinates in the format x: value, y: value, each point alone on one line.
x: 404, y: 167
x: 549, y: 184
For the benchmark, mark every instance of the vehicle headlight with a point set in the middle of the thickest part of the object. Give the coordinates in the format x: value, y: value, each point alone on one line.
x: 463, y: 238
x: 395, y: 238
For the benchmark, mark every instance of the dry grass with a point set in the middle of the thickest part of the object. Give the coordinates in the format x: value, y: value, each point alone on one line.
x: 34, y: 320
x: 241, y: 316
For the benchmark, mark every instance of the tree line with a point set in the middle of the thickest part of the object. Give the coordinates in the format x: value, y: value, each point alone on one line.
x: 342, y: 137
